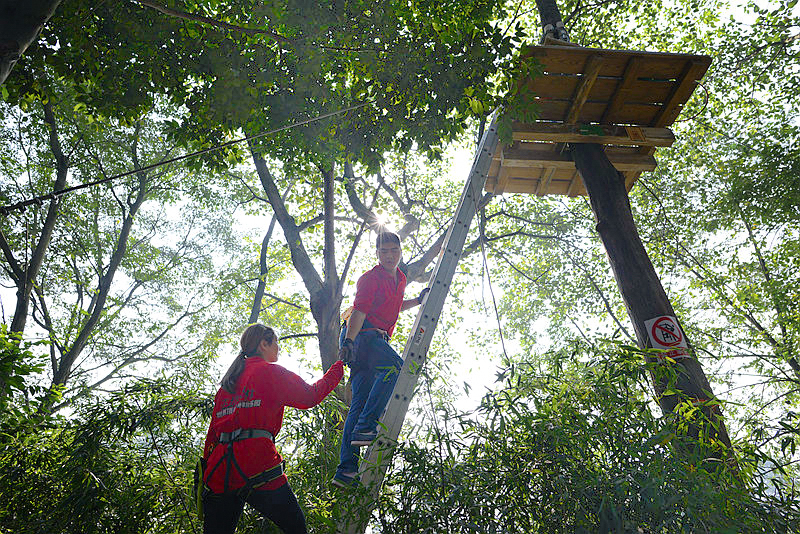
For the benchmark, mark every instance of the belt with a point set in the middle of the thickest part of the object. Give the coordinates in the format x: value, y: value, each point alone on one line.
x: 382, y: 333
x: 245, y: 433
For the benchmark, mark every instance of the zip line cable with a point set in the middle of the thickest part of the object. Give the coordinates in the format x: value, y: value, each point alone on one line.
x: 5, y: 210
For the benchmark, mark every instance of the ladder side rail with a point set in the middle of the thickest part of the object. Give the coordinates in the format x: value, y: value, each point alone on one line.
x: 378, y: 457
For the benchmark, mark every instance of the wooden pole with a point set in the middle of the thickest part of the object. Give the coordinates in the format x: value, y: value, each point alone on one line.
x: 645, y: 299
x: 641, y: 289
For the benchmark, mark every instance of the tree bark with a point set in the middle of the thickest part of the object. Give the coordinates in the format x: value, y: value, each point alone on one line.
x: 324, y: 295
x: 20, y: 23
x: 255, y: 309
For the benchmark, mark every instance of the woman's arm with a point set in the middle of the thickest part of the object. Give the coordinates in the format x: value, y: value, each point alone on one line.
x: 294, y: 391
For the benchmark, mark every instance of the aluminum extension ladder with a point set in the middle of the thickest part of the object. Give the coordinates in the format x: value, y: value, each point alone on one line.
x: 379, y: 455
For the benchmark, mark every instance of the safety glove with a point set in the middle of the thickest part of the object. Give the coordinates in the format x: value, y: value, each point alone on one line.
x: 347, y: 352
x: 422, y: 294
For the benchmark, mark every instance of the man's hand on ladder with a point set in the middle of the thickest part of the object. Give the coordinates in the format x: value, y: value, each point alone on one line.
x: 422, y: 294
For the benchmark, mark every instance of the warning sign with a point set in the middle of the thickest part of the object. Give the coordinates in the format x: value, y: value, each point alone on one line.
x: 665, y: 333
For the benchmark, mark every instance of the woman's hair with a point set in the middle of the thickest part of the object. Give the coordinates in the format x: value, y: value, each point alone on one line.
x: 251, y: 337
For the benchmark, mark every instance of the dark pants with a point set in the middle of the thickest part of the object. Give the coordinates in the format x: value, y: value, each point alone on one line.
x: 221, y: 511
x: 372, y: 383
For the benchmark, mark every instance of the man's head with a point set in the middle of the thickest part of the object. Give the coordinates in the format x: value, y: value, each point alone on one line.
x: 387, y: 246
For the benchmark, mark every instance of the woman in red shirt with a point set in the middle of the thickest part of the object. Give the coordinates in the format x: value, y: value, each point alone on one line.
x: 242, y: 463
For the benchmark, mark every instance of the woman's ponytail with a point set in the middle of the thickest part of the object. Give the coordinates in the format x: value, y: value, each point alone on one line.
x: 251, y: 337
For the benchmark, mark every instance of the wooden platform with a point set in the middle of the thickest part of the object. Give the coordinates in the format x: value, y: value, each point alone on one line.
x: 619, y: 98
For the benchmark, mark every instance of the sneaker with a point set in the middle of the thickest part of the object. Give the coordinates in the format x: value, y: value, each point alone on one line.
x: 360, y: 439
x: 345, y: 480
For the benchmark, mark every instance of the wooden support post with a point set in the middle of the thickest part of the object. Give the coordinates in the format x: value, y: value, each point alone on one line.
x: 641, y: 289
x: 544, y: 181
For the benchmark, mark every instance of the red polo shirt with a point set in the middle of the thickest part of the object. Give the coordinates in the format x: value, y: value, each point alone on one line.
x: 262, y: 392
x: 380, y: 297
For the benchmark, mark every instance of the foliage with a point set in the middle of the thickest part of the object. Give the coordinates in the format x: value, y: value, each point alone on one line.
x: 570, y: 445
x: 114, y: 288
x: 421, y: 68
x: 19, y: 366
x: 120, y: 464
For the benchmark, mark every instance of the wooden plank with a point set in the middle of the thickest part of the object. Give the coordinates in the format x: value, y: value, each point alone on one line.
x: 630, y: 178
x: 604, y: 134
x: 632, y: 113
x: 641, y: 114
x: 544, y: 182
x: 623, y: 91
x: 534, y: 173
x: 556, y: 110
x: 590, y: 72
x: 693, y: 71
x: 502, y: 179
x: 603, y: 90
x: 529, y: 187
x: 575, y: 185
x: 649, y: 91
x: 657, y: 65
x: 541, y: 158
x: 494, y: 168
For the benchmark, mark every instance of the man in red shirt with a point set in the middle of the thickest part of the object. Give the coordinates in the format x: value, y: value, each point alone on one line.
x: 375, y: 364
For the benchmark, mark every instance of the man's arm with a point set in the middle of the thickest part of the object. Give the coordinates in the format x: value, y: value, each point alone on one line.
x: 355, y: 323
x: 409, y: 303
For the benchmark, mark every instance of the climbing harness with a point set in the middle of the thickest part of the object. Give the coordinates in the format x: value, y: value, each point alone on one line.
x: 227, y: 439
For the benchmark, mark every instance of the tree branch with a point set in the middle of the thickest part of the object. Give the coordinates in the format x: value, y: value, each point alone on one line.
x: 104, y: 286
x: 212, y: 22
x: 329, y: 239
x: 300, y: 259
x: 46, y: 234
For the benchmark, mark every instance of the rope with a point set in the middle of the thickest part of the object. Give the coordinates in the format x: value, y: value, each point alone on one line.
x: 702, y: 109
x: 5, y: 210
x: 481, y: 239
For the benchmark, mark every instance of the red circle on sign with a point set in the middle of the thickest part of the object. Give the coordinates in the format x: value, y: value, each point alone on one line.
x: 659, y: 328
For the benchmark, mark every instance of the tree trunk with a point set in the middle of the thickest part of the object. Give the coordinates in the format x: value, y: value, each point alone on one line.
x: 97, y: 306
x: 31, y: 270
x: 637, y: 280
x: 20, y: 23
x: 325, y: 310
x: 324, y: 295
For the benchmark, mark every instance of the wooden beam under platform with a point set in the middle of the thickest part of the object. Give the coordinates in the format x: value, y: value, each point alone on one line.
x: 547, y: 158
x: 553, y: 132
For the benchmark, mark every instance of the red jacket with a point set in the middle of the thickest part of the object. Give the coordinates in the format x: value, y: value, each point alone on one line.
x: 380, y: 297
x: 262, y: 391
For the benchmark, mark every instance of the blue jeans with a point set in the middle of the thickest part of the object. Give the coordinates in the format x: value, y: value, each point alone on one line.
x: 372, y: 383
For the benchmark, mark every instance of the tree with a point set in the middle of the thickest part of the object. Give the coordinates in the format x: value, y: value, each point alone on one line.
x: 407, y: 74
x: 98, y: 257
